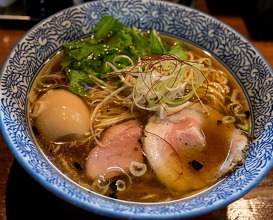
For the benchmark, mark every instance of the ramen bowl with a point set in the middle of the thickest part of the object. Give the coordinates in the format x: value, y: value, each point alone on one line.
x: 233, y: 51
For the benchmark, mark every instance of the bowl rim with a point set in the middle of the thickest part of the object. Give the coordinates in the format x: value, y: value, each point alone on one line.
x: 101, y: 210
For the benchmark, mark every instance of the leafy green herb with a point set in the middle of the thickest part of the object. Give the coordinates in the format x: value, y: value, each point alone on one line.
x: 78, y: 50
x: 179, y: 52
x: 78, y: 80
x: 156, y: 44
x: 111, y: 38
x: 67, y: 61
x: 105, y: 28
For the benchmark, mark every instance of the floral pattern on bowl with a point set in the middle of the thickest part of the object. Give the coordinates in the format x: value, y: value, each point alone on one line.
x: 237, y: 54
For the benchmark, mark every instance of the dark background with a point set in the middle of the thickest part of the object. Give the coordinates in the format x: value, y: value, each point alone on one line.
x: 258, y: 14
x: 21, y: 197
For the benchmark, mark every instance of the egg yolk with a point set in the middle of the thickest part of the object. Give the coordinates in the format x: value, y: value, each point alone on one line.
x: 64, y: 116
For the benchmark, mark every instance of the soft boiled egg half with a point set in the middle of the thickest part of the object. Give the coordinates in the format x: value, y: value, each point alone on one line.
x: 62, y: 115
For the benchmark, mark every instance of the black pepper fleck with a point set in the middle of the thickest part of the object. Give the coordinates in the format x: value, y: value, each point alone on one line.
x: 78, y: 166
x: 196, y: 165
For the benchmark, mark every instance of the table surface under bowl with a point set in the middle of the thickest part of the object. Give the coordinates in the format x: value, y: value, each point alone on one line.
x: 16, y: 184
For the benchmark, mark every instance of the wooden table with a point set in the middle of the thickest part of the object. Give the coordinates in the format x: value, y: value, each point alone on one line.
x: 19, y: 193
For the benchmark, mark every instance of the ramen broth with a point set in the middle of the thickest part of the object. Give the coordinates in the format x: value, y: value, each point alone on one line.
x: 70, y: 156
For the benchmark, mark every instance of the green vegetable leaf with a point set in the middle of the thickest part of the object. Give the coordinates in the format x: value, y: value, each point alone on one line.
x: 138, y: 37
x: 78, y: 50
x: 156, y: 44
x: 88, y: 57
x: 78, y: 80
x: 123, y: 38
x: 179, y: 51
x: 67, y: 61
x: 140, y: 41
x: 96, y: 59
x: 105, y: 28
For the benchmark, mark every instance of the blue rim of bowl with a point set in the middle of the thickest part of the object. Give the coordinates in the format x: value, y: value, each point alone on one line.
x: 111, y: 213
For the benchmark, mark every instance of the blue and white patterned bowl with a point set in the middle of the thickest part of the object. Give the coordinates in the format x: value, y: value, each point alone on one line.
x: 239, y: 56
